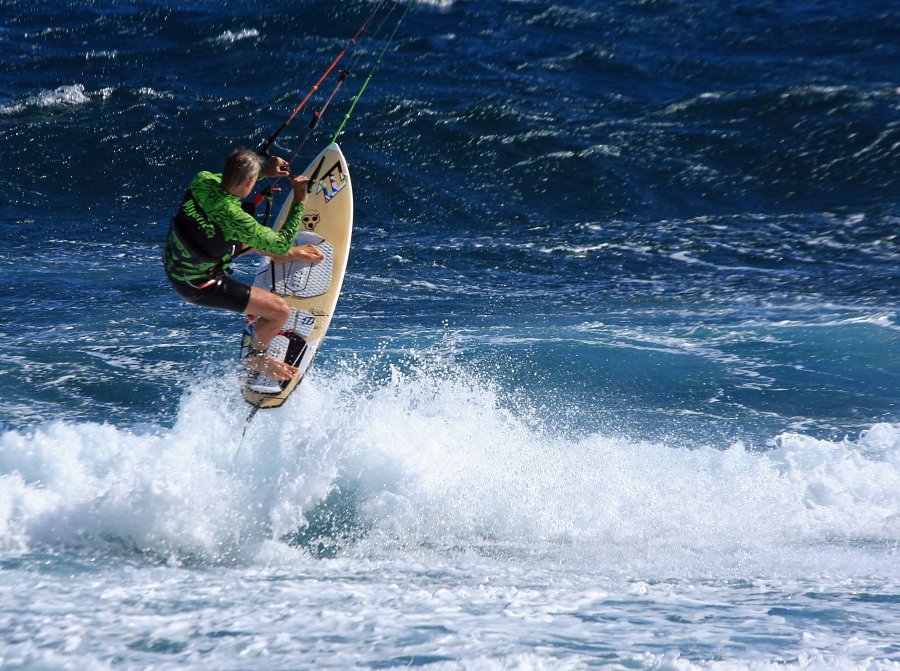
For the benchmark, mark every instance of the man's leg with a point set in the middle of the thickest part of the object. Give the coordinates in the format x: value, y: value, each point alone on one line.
x: 272, y: 312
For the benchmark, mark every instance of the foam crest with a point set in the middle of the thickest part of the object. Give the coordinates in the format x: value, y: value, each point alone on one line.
x: 467, y: 471
x: 171, y: 494
x: 434, y: 457
x: 444, y: 460
x: 231, y: 36
x: 63, y: 96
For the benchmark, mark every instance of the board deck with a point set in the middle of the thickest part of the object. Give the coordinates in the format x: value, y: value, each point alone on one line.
x: 311, y: 290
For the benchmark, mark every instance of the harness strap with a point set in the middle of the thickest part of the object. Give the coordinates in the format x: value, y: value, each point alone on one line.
x: 181, y: 227
x: 205, y: 285
x: 181, y: 224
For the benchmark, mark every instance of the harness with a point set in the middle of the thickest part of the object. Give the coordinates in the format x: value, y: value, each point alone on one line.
x: 192, y: 234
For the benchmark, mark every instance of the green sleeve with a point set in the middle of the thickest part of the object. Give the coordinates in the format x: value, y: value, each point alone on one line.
x: 225, y: 210
x: 240, y: 226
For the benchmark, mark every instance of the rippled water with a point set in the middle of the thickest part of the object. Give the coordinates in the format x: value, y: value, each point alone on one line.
x: 614, y: 378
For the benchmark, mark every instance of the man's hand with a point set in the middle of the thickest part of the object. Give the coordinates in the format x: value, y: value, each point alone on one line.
x: 275, y: 167
x: 300, y: 183
x: 306, y: 253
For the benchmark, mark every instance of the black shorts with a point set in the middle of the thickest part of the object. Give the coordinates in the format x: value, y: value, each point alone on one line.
x: 225, y: 293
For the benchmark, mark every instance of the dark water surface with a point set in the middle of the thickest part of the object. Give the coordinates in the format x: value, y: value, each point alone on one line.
x: 619, y: 343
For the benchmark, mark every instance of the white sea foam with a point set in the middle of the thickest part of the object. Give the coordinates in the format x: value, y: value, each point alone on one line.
x: 469, y: 532
x: 440, y: 4
x: 887, y: 320
x: 230, y: 37
x: 63, y: 96
x: 438, y: 460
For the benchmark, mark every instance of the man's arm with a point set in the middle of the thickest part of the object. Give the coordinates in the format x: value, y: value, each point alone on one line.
x: 305, y: 253
x: 244, y: 227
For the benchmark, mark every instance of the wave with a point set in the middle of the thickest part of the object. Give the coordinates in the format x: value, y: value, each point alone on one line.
x: 62, y: 96
x: 230, y: 37
x: 437, y: 459
x: 440, y: 4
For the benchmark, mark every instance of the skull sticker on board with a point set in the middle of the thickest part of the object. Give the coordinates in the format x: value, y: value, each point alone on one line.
x: 310, y: 220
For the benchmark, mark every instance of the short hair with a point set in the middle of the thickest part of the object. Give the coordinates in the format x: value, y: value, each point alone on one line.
x: 241, y: 165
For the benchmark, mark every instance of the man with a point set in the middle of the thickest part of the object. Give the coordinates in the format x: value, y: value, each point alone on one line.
x: 211, y: 229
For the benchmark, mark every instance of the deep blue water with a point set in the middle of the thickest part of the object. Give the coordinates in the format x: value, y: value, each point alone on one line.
x: 620, y: 332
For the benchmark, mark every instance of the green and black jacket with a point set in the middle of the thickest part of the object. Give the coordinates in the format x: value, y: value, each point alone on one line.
x: 210, y: 229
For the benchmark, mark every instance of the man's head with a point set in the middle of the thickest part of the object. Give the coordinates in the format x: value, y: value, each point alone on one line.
x: 240, y: 172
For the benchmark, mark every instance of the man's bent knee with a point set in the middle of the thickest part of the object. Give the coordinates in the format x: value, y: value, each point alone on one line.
x: 267, y: 305
x: 284, y: 310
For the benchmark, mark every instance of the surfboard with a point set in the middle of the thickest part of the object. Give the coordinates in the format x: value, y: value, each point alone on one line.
x: 311, y: 290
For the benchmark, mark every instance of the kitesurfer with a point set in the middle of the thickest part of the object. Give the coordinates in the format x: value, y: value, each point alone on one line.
x: 211, y: 229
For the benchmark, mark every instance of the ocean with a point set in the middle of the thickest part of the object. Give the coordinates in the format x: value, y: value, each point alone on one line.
x: 614, y: 382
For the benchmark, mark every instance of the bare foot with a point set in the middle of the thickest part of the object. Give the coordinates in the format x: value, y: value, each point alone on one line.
x: 277, y: 370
